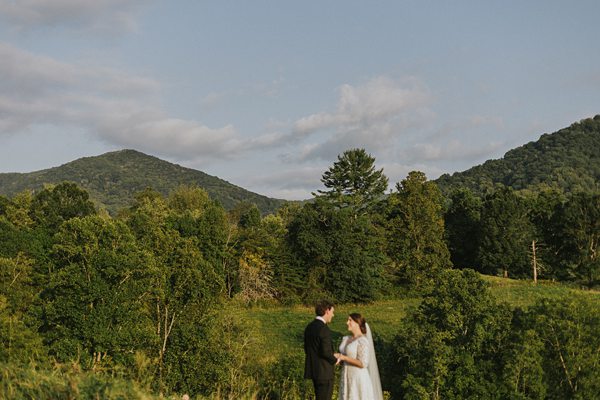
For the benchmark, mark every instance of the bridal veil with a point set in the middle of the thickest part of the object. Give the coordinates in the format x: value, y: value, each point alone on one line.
x: 372, y: 367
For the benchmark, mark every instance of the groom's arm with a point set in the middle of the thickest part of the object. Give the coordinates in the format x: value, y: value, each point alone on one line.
x: 326, y: 350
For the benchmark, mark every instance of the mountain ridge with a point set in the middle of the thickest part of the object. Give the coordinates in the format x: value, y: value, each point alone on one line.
x: 113, y: 178
x: 567, y: 160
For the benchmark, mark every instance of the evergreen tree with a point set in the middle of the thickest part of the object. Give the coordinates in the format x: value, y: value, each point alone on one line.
x: 353, y: 182
x: 288, y: 278
x: 341, y: 254
x: 577, y: 224
x: 415, y: 231
x: 506, y: 235
x: 335, y: 240
x: 462, y: 221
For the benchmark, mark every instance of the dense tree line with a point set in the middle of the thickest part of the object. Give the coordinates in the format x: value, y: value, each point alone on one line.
x: 145, y: 293
x: 511, y: 233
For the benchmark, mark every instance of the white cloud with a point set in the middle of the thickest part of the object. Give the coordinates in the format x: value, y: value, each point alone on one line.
x: 119, y: 108
x: 459, y: 140
x: 104, y: 15
x: 372, y: 116
x: 380, y: 99
x: 176, y: 137
x: 386, y: 117
x: 28, y: 75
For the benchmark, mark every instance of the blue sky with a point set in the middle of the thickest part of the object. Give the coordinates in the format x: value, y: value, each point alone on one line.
x: 266, y: 94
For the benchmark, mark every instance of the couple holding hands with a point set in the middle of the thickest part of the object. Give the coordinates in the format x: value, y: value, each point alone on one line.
x: 359, y: 378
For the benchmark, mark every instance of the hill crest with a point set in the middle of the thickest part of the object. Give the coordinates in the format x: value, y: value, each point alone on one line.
x: 113, y: 178
x: 567, y: 160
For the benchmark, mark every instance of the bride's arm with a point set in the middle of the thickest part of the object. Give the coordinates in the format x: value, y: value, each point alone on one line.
x: 351, y: 361
x: 362, y: 356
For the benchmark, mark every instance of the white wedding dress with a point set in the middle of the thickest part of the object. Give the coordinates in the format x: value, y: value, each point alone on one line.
x: 360, y: 383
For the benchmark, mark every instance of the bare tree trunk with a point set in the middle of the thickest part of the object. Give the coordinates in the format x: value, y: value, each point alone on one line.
x: 534, y: 262
x: 166, y: 332
x: 229, y: 279
x: 563, y: 363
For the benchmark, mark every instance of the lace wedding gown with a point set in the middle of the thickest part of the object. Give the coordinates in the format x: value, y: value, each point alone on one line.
x: 355, y: 382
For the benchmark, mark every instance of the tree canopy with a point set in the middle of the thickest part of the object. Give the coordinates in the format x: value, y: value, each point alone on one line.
x: 353, y: 181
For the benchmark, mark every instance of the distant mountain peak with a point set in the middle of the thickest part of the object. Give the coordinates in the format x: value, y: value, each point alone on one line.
x: 113, y: 178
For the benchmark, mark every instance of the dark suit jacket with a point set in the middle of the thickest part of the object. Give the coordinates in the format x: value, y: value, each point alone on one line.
x: 318, y: 348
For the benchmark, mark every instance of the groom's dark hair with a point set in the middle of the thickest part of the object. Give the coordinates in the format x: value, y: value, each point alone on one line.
x: 322, y: 306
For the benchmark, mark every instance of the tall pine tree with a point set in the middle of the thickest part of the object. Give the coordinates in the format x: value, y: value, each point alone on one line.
x: 353, y: 182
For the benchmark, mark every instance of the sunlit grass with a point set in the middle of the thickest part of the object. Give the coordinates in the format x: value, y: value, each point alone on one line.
x: 521, y: 293
x: 281, y: 328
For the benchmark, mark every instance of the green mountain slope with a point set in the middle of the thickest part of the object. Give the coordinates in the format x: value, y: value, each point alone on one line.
x: 112, y: 179
x: 568, y: 160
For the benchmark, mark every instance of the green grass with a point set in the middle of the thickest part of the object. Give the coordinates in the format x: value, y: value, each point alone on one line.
x: 65, y: 382
x: 280, y: 328
x: 519, y: 293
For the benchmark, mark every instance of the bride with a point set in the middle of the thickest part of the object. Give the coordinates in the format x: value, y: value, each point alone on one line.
x: 360, y: 375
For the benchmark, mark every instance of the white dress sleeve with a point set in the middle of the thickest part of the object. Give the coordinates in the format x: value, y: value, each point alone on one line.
x: 363, y: 354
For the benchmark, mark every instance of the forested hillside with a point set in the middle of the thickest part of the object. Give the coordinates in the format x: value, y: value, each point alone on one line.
x: 568, y: 160
x: 150, y: 299
x: 112, y: 179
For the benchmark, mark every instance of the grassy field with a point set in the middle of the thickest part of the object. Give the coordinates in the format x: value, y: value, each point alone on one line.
x: 280, y: 328
x: 519, y: 293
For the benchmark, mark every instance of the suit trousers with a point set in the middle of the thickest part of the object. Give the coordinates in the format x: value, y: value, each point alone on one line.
x: 323, y: 389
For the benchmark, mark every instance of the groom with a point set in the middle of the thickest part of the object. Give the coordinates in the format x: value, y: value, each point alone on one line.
x: 318, y: 348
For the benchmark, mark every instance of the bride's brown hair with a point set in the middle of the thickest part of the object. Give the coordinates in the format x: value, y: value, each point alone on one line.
x: 359, y: 319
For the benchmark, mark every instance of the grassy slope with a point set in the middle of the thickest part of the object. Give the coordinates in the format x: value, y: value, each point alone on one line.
x: 280, y: 328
